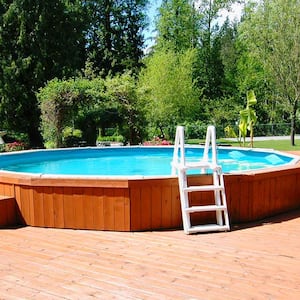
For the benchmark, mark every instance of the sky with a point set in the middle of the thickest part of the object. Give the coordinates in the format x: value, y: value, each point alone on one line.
x: 152, y: 13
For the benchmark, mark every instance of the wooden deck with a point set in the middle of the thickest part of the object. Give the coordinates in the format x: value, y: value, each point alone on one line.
x: 257, y: 262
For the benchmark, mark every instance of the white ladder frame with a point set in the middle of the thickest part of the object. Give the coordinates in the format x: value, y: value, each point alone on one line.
x: 180, y: 167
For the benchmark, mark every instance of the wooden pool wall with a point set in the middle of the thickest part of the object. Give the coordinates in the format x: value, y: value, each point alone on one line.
x: 139, y: 204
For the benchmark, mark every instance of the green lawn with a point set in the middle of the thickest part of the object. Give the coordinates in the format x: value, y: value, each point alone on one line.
x: 284, y: 145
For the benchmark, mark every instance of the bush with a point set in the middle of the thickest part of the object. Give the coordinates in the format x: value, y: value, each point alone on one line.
x: 195, y: 130
x: 71, y: 137
x: 111, y: 138
x: 156, y: 141
x: 15, y: 146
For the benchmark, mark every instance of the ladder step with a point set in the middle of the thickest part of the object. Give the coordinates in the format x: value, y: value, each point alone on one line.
x: 203, y: 208
x: 200, y: 165
x: 203, y: 188
x: 208, y: 228
x: 196, y: 165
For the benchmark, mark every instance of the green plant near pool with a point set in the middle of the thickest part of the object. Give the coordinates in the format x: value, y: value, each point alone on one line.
x: 111, y: 138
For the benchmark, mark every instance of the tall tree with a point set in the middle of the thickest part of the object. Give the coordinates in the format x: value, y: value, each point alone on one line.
x: 271, y: 33
x: 115, y: 36
x: 178, y: 25
x: 39, y: 40
x: 210, y: 70
x: 170, y: 94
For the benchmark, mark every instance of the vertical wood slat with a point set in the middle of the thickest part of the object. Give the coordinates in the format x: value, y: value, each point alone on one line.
x: 135, y: 208
x: 90, y: 210
x: 108, y: 210
x: 38, y: 210
x: 48, y: 207
x: 7, y: 189
x: 157, y: 196
x: 69, y: 214
x: 8, y: 206
x: 166, y: 207
x: 78, y: 208
x: 20, y: 218
x: 98, y: 208
x: 146, y: 209
x: 25, y: 201
x: 58, y: 207
x: 176, y: 207
x: 121, y: 210
x: 8, y: 211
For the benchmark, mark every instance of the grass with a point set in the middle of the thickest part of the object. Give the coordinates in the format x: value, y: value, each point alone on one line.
x: 281, y: 145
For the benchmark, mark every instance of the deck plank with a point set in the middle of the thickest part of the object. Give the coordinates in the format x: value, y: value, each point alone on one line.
x: 250, y: 262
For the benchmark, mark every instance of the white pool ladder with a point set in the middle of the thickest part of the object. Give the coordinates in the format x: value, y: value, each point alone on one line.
x: 205, y: 165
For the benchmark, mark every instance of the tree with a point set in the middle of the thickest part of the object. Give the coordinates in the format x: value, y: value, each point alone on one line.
x: 229, y: 55
x: 169, y: 92
x: 115, y: 35
x: 210, y: 68
x: 61, y: 101
x: 122, y: 92
x: 271, y: 33
x: 177, y: 26
x: 39, y: 40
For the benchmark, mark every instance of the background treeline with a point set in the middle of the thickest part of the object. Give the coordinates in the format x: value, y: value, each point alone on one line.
x: 74, y: 71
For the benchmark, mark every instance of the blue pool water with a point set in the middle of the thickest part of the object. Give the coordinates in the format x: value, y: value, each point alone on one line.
x: 130, y: 161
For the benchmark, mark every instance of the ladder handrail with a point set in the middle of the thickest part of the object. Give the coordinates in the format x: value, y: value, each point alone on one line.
x: 210, y: 139
x: 179, y: 144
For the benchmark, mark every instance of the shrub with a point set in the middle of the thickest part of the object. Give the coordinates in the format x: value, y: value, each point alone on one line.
x: 15, y: 146
x: 156, y: 141
x: 111, y: 138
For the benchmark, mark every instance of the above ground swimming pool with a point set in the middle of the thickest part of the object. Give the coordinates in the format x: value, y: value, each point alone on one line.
x: 132, y: 189
x: 133, y: 161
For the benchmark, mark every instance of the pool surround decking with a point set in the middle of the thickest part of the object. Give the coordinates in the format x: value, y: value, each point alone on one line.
x: 139, y: 203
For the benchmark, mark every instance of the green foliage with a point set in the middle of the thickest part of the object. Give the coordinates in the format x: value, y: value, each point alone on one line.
x: 89, y: 105
x: 270, y: 33
x: 111, y: 138
x: 15, y: 146
x: 210, y: 71
x: 37, y: 43
x: 178, y: 26
x: 60, y: 102
x: 195, y: 129
x: 168, y: 92
x: 229, y: 132
x: 122, y: 91
x: 248, y: 117
x: 69, y: 131
x: 115, y: 37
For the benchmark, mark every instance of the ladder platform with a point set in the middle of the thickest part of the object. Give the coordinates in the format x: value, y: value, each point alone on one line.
x: 208, y: 228
x: 203, y: 208
x: 203, y: 188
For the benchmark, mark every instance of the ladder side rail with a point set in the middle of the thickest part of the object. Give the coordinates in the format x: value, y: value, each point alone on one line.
x: 175, y: 160
x: 181, y: 146
x: 210, y: 140
x: 178, y: 148
x: 218, y: 197
x: 224, y: 203
x: 184, y: 201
